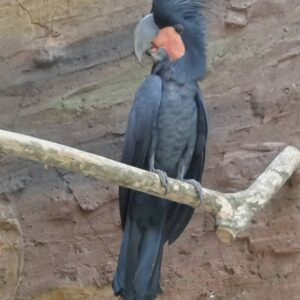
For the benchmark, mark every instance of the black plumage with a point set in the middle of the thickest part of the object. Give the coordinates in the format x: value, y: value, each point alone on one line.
x: 189, y: 14
x: 167, y: 130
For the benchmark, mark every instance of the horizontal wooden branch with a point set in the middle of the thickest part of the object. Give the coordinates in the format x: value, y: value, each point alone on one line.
x: 233, y: 211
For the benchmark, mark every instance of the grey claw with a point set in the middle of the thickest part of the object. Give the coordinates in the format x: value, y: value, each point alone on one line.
x: 160, y: 290
x: 163, y: 177
x: 198, y: 187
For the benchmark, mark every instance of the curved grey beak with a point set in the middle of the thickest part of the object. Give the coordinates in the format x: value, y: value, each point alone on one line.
x: 145, y: 32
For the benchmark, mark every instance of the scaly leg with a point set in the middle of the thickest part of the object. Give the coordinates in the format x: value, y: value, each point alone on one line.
x: 196, y: 184
x: 163, y: 177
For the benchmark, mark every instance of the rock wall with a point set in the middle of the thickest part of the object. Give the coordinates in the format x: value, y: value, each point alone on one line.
x: 68, y: 75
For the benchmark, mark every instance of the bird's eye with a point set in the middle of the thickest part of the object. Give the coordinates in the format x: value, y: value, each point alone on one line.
x: 178, y: 28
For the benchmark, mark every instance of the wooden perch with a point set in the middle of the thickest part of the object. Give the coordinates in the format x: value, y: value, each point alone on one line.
x: 233, y: 211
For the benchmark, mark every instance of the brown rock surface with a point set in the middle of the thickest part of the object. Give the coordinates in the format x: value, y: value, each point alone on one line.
x: 68, y: 75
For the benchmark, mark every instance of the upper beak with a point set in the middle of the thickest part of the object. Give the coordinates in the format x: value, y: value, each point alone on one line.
x: 145, y: 32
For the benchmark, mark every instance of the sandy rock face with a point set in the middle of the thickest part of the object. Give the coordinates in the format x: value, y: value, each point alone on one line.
x: 68, y: 75
x: 11, y: 250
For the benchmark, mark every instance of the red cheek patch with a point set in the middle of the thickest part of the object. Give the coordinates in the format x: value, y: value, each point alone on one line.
x: 170, y: 40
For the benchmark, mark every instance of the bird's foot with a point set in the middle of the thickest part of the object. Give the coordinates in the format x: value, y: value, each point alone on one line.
x: 163, y: 177
x: 198, y: 187
x: 160, y: 290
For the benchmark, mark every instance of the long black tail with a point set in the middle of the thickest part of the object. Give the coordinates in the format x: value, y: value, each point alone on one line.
x: 138, y: 273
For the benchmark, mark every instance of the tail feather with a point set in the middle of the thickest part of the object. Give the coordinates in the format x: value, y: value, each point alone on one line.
x: 128, y: 259
x: 138, y: 273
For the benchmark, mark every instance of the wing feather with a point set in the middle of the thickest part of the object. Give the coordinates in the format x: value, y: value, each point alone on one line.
x: 138, y: 135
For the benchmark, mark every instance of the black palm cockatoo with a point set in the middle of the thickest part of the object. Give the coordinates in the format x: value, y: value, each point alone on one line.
x: 166, y: 134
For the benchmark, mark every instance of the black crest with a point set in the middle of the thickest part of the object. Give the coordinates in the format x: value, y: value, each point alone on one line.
x: 190, y: 15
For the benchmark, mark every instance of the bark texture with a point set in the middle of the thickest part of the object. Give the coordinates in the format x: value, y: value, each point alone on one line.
x: 233, y: 211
